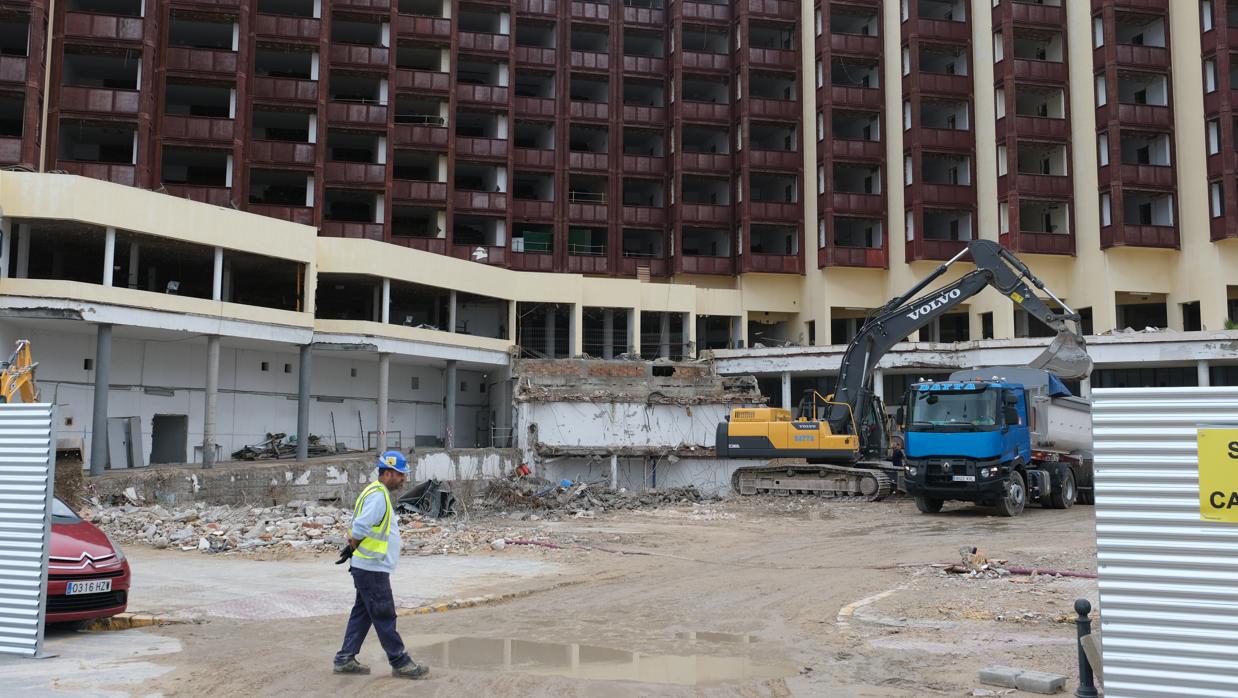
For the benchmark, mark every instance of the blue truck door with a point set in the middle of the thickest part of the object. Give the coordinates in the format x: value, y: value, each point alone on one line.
x: 1018, y: 436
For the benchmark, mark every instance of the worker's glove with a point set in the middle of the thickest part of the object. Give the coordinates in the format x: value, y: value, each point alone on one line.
x: 345, y: 553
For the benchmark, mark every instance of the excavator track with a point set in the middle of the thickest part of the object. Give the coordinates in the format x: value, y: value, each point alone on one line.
x: 871, y: 482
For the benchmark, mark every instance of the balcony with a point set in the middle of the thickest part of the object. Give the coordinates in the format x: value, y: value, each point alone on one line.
x: 12, y: 69
x: 492, y: 95
x: 83, y: 25
x: 1038, y: 243
x: 857, y: 44
x: 1030, y: 13
x: 589, y: 60
x: 706, y: 162
x: 937, y: 29
x: 706, y: 111
x: 873, y: 204
x: 528, y: 209
x: 1153, y: 57
x: 1147, y: 175
x: 421, y: 81
x: 644, y: 15
x: 773, y: 9
x: 202, y: 60
x: 773, y: 263
x: 353, y: 56
x: 705, y: 213
x: 773, y: 58
x: 357, y: 114
x: 10, y: 150
x: 198, y: 128
x: 720, y: 12
x: 280, y: 27
x: 1142, y: 115
x: 531, y: 157
x: 410, y: 26
x: 99, y: 100
x: 693, y: 264
x: 595, y: 11
x: 355, y: 174
x: 588, y: 263
x: 303, y: 215
x: 936, y: 250
x: 645, y: 216
x: 419, y: 135
x: 780, y: 109
x: 935, y: 83
x: 630, y: 265
x: 548, y: 8
x: 482, y: 147
x: 584, y: 207
x: 435, y: 245
x: 947, y: 194
x: 864, y: 257
x: 536, y: 56
x: 697, y: 60
x: 532, y: 261
x: 1034, y: 127
x: 1041, y: 71
x: 120, y: 174
x: 382, y: 6
x: 351, y: 229
x: 589, y: 110
x: 867, y: 97
x: 419, y: 192
x: 484, y: 42
x: 480, y: 201
x: 776, y: 159
x: 644, y: 64
x: 281, y: 152
x: 643, y: 165
x: 868, y: 150
x: 650, y: 116
x: 1139, y: 236
x: 216, y: 196
x: 285, y: 89
x: 587, y: 161
x: 1038, y: 184
x: 774, y: 211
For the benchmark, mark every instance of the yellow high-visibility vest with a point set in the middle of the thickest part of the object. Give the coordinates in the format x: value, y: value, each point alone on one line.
x: 374, y: 546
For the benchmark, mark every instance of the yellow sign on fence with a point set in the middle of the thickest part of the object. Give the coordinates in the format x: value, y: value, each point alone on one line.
x: 1218, y: 474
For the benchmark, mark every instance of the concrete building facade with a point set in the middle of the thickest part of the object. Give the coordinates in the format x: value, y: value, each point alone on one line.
x: 410, y: 189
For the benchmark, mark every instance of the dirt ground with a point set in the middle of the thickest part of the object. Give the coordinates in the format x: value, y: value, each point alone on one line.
x: 747, y: 597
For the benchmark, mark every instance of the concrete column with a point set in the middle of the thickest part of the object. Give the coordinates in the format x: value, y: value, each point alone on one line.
x: 608, y: 333
x: 1205, y: 376
x: 786, y: 390
x: 134, y: 259
x: 212, y: 400
x: 6, y: 245
x: 576, y: 328
x: 1085, y: 388
x: 551, y: 316
x: 303, y: 403
x: 386, y: 301
x: 614, y: 471
x: 451, y: 312
x: 98, y: 434
x: 738, y: 333
x: 878, y: 382
x: 449, y: 419
x: 377, y: 315
x: 23, y: 251
x: 512, y: 321
x: 217, y: 280
x: 634, y: 331
x: 664, y: 336
x: 689, y: 335
x: 109, y: 256
x: 384, y: 373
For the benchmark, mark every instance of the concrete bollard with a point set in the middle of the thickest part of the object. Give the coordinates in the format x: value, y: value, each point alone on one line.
x: 1083, y: 626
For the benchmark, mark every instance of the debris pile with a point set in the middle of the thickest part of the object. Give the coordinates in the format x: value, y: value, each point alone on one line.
x: 281, y: 445
x: 582, y: 499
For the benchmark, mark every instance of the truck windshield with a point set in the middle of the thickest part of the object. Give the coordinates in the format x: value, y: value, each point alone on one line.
x: 954, y: 410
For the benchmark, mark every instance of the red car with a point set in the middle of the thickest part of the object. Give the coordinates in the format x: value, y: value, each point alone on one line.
x: 87, y: 574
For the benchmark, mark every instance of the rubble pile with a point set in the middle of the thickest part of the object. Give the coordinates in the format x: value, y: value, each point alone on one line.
x: 578, y: 498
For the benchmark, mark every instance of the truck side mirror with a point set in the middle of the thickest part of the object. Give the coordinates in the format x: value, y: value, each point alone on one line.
x: 1010, y: 415
x: 898, y: 417
x: 1010, y: 398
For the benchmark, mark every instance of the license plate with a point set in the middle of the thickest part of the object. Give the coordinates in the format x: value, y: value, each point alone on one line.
x: 95, y: 586
x: 964, y: 478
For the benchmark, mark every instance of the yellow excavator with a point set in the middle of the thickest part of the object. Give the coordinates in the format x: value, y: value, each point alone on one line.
x: 17, y: 376
x: 838, y: 444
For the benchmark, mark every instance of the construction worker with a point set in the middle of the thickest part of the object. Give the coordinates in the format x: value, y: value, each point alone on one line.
x: 374, y: 542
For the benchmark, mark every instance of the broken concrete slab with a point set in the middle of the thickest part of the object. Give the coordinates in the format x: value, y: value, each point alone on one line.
x: 998, y: 675
x: 1040, y: 682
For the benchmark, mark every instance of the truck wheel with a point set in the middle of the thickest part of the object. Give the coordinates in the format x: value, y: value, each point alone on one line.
x: 928, y: 505
x: 1016, y: 496
x: 1064, y: 496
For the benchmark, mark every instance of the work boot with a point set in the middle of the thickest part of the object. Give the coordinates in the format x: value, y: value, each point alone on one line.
x: 412, y: 670
x: 352, y: 666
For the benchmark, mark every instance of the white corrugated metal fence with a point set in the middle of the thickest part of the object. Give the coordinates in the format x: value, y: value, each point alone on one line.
x: 27, y: 460
x: 1168, y: 580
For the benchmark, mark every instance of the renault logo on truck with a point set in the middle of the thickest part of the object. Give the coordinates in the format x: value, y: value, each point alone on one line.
x: 935, y: 303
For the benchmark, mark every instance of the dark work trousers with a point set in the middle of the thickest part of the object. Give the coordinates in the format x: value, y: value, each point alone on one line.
x: 374, y: 606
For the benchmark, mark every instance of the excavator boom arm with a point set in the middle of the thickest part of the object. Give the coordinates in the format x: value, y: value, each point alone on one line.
x: 17, y: 376
x: 995, y: 267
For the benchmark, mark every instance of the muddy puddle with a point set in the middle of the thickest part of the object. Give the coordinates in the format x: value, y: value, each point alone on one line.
x: 590, y: 662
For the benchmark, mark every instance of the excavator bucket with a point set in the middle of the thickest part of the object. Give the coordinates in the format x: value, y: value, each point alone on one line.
x: 1066, y: 357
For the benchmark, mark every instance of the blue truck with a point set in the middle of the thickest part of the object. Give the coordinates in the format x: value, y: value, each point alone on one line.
x: 998, y: 437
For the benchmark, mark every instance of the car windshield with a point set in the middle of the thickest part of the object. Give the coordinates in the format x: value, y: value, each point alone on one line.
x: 61, y: 513
x: 969, y: 409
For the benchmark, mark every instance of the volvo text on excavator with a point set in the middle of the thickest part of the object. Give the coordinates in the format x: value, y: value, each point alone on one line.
x: 839, y: 444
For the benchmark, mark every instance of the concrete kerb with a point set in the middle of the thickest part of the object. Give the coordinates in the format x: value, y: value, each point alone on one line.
x: 127, y: 621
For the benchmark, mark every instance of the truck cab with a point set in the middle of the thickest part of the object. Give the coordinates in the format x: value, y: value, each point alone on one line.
x: 999, y: 440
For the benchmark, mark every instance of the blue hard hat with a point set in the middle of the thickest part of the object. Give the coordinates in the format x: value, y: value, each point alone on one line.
x: 394, y: 460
